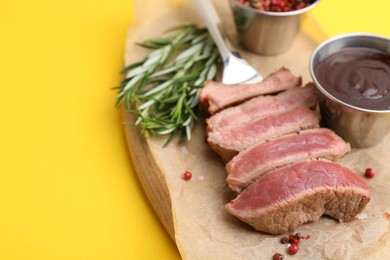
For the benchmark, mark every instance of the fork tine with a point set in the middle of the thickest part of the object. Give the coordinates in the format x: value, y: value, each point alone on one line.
x: 238, y: 71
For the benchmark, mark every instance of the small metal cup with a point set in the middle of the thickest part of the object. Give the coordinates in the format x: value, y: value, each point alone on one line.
x: 361, y: 127
x: 264, y: 32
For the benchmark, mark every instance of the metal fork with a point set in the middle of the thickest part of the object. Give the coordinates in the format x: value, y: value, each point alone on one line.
x: 235, y: 69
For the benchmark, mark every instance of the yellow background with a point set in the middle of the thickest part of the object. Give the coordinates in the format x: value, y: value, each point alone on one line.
x: 67, y: 187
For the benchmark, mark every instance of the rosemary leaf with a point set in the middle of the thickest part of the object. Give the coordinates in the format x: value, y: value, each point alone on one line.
x: 129, y: 67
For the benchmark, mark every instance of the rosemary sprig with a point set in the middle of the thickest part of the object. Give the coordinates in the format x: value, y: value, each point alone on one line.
x: 163, y: 88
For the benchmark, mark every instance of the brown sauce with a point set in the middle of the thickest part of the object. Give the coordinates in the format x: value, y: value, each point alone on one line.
x: 357, y: 76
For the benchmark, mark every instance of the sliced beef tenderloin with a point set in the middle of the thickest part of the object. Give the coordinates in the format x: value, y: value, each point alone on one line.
x: 259, y: 159
x: 283, y: 199
x: 217, y: 96
x: 228, y: 142
x: 262, y: 106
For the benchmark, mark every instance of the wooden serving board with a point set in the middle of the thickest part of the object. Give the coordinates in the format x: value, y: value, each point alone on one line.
x: 192, y: 211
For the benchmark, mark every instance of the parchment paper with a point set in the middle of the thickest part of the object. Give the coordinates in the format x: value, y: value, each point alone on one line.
x: 203, y: 230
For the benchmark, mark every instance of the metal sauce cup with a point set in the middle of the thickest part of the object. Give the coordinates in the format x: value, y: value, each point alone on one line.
x: 264, y: 32
x: 361, y: 127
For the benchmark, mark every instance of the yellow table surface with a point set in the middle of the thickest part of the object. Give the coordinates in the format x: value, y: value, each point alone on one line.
x: 67, y: 187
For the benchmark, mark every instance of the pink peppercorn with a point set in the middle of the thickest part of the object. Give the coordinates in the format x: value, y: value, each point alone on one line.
x: 187, y: 175
x: 369, y: 173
